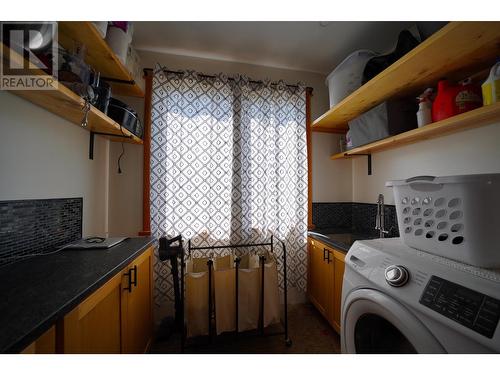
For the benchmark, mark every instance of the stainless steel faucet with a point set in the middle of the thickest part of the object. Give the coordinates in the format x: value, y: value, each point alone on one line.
x: 380, y: 219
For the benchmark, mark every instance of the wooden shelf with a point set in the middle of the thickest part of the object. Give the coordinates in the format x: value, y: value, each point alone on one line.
x: 472, y: 119
x: 455, y: 51
x: 98, y: 55
x: 68, y: 105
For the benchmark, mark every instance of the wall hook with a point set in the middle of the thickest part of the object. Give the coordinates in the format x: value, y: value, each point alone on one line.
x: 85, y: 110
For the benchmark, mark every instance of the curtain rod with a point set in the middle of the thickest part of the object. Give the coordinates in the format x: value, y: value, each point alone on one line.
x: 147, y: 70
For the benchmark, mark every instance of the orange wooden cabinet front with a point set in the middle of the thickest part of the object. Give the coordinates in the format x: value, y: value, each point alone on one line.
x: 117, y: 318
x: 325, y: 277
x: 137, y: 306
x: 45, y: 344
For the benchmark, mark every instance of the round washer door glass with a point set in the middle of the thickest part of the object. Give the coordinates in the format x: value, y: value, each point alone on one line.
x: 376, y: 323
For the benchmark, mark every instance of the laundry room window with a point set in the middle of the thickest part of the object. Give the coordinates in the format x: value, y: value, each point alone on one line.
x: 229, y: 162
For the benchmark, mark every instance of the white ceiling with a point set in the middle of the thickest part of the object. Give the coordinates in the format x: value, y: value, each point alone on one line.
x: 307, y: 46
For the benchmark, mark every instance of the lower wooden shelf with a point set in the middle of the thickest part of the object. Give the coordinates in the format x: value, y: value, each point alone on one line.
x: 68, y: 105
x: 472, y: 119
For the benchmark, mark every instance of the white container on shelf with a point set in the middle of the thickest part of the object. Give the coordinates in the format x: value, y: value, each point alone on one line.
x: 133, y: 62
x: 102, y: 27
x: 119, y: 41
x: 348, y: 75
x: 456, y: 217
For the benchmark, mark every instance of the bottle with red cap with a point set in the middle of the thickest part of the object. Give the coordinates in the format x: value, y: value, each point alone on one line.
x: 454, y: 99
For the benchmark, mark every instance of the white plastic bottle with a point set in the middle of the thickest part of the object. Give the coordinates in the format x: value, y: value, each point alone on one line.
x: 491, y: 87
x: 424, y: 114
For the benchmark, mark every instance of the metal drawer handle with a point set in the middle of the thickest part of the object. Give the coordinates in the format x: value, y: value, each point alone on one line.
x: 326, y: 255
x: 129, y: 276
x: 134, y: 282
x: 130, y: 280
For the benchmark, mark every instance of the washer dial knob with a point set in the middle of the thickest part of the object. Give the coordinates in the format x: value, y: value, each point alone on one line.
x: 396, y: 275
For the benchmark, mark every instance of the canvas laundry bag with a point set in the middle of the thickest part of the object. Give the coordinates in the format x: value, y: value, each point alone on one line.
x: 197, y: 297
x: 271, y: 291
x: 225, y: 294
x: 248, y: 292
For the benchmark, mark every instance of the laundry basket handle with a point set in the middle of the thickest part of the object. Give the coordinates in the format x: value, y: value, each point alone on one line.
x: 421, y: 178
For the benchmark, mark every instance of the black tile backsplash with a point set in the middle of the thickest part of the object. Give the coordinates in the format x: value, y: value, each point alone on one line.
x: 364, y: 215
x: 37, y: 226
x: 332, y: 215
x: 355, y: 217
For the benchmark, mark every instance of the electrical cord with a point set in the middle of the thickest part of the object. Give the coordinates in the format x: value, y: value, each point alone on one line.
x: 120, y: 158
x: 123, y: 152
x: 31, y: 255
x: 86, y: 240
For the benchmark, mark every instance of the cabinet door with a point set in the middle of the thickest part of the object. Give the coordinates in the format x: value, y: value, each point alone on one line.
x: 320, y: 291
x: 316, y: 288
x: 328, y: 283
x: 137, y: 304
x: 94, y: 326
x: 339, y: 266
x: 45, y: 344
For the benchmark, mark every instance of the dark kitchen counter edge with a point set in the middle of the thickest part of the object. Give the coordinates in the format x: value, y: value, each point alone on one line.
x: 40, y: 329
x: 323, y: 238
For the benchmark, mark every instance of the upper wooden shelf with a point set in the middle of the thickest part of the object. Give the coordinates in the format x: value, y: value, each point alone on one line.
x: 455, y: 51
x: 66, y: 104
x: 98, y: 55
x: 472, y: 119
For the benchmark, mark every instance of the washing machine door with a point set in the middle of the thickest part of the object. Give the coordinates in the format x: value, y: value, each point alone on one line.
x: 376, y: 323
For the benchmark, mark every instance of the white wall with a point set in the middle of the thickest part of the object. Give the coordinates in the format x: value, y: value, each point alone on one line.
x: 332, y: 179
x: 468, y: 152
x: 125, y: 189
x: 45, y: 156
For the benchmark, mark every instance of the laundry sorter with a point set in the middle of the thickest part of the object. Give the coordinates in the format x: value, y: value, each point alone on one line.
x: 233, y: 292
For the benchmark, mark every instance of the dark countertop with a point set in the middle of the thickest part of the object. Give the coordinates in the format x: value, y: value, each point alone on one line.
x: 36, y: 292
x: 339, y: 238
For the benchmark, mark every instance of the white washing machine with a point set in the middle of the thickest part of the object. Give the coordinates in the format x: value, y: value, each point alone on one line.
x: 396, y: 299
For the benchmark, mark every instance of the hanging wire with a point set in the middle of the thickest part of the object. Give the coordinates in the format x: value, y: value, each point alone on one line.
x: 123, y: 152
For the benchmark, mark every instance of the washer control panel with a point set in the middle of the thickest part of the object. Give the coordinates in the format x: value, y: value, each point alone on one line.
x: 469, y: 308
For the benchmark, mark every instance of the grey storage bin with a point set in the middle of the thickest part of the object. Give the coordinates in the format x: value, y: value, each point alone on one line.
x: 455, y: 216
x: 388, y: 118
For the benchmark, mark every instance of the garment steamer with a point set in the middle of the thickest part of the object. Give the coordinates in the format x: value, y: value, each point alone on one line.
x: 170, y: 251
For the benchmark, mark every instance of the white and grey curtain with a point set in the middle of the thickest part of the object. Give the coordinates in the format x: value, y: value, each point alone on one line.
x: 228, y: 165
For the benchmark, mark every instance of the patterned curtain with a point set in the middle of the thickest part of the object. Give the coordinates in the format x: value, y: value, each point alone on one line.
x: 228, y: 165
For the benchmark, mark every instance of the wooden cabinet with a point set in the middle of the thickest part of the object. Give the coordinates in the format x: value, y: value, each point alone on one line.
x: 45, y: 344
x: 94, y: 326
x: 137, y: 303
x: 317, y: 276
x: 117, y: 318
x: 325, y: 277
x: 338, y: 265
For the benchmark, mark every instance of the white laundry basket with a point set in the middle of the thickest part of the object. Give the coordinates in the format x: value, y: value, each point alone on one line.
x: 347, y: 76
x: 457, y: 217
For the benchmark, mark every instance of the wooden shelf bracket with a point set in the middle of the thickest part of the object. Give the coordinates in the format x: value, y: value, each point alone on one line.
x: 116, y: 80
x: 369, y: 160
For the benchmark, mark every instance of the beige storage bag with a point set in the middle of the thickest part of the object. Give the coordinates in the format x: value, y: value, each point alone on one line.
x: 197, y: 297
x: 271, y: 291
x: 225, y: 294
x: 248, y: 293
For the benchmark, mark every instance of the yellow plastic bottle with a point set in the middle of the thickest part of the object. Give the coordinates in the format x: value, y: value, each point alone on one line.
x: 491, y: 87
